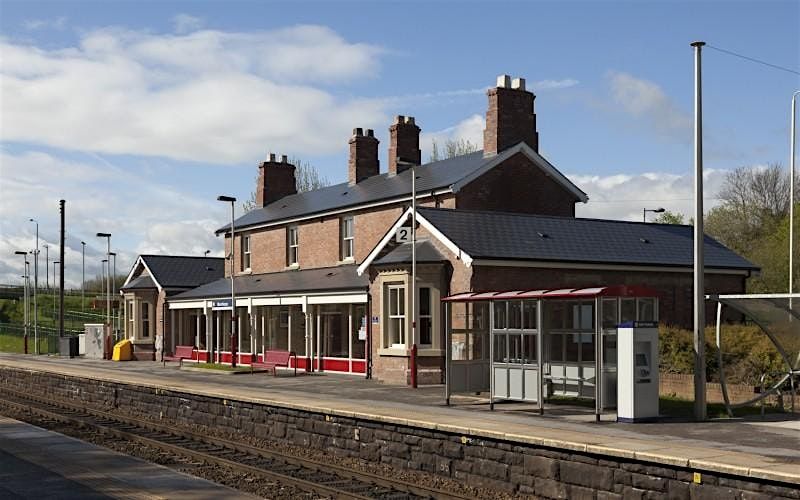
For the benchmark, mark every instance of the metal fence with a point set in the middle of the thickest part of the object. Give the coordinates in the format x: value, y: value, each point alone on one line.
x: 12, y: 337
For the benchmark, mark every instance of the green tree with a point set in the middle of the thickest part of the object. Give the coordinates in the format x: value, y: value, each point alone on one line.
x: 307, y: 178
x: 451, y: 149
x: 669, y: 218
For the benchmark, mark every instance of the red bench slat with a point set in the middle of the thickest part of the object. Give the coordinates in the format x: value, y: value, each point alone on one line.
x: 274, y: 359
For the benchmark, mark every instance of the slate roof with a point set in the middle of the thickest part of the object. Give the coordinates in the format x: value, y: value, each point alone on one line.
x: 184, y: 272
x: 139, y: 283
x: 430, y: 177
x: 508, y: 236
x: 283, y: 282
x: 426, y: 252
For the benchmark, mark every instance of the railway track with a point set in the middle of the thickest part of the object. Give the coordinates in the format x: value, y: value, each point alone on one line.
x: 322, y: 479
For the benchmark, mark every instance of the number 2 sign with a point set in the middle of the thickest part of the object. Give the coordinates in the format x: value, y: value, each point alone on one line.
x: 403, y: 235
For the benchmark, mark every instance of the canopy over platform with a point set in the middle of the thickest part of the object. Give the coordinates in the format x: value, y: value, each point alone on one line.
x: 778, y: 316
x: 556, y: 293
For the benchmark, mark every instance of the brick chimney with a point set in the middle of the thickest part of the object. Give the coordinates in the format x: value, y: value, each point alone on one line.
x: 510, y: 118
x: 403, y: 143
x: 275, y: 180
x: 363, y: 155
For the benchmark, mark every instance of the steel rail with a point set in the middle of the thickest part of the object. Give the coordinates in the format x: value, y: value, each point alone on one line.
x: 351, y: 484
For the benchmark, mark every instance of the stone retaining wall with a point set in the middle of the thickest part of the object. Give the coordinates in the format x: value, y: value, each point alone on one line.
x: 541, y: 471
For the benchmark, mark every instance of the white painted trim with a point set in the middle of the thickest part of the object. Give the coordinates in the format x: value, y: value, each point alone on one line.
x: 197, y: 304
x: 354, y: 208
x: 354, y: 298
x: 152, y: 276
x: 536, y: 158
x: 266, y: 301
x: 601, y: 267
x: 448, y: 243
x: 386, y: 237
x: 756, y: 296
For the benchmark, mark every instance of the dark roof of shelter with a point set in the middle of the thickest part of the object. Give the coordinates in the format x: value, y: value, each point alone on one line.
x: 172, y: 271
x: 426, y: 252
x: 509, y: 236
x: 140, y: 282
x: 283, y: 282
x: 430, y: 177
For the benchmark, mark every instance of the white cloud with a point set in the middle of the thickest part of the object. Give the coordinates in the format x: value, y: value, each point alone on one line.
x: 554, y: 84
x: 136, y: 208
x: 184, y: 23
x: 623, y: 196
x: 206, y: 95
x: 647, y: 102
x: 38, y: 24
x: 470, y: 129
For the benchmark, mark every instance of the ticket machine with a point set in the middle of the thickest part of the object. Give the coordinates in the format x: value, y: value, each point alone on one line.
x: 637, y: 371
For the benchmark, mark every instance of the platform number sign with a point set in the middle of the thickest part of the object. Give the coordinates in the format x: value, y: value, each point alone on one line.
x: 403, y: 235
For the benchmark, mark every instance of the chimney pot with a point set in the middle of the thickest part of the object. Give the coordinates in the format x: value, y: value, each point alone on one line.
x: 510, y: 117
x: 363, y: 162
x: 275, y: 180
x: 403, y: 143
x: 503, y: 81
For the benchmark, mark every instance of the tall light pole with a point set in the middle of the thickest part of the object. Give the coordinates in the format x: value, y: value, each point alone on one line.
x: 55, y: 263
x: 24, y: 295
x: 791, y: 195
x: 114, y: 290
x: 699, y: 264
x: 36, y: 290
x: 107, y: 236
x: 414, y: 298
x: 46, y: 266
x: 83, y: 275
x: 659, y: 210
x: 232, y: 201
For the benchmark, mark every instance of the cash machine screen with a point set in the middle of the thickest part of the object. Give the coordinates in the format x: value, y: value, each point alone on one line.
x: 642, y: 360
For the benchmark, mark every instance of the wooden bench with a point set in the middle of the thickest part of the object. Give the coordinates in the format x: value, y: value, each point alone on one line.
x: 274, y: 359
x: 181, y: 352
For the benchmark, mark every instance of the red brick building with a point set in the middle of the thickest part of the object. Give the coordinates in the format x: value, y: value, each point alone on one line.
x: 317, y: 272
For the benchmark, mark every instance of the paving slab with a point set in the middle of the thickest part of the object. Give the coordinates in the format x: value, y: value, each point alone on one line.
x: 737, y: 446
x: 39, y: 464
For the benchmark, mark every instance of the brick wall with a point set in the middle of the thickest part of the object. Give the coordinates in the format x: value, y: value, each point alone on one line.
x: 681, y: 385
x: 517, y: 185
x: 546, y: 472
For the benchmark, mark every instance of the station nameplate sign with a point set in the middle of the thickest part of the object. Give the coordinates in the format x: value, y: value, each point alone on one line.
x: 221, y: 305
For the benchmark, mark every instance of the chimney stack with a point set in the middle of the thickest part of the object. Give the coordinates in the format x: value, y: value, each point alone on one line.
x: 363, y: 155
x: 510, y: 118
x: 403, y: 143
x: 275, y: 180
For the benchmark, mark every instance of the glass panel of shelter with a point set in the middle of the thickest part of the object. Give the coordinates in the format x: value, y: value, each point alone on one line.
x: 514, y: 354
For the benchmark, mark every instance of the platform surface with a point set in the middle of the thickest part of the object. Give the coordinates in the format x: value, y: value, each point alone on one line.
x: 750, y: 448
x: 39, y: 464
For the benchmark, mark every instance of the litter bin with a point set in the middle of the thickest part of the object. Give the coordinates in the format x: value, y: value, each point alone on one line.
x: 68, y: 346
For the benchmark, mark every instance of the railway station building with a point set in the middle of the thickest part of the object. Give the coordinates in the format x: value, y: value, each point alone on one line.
x: 320, y: 273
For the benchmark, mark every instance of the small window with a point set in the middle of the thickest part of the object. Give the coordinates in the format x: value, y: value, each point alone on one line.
x: 499, y: 315
x: 646, y: 309
x: 529, y: 349
x: 628, y: 310
x: 529, y: 315
x: 292, y: 246
x: 515, y: 314
x: 346, y: 230
x: 396, y: 334
x: 425, y: 317
x: 500, y: 350
x: 246, y: 253
x: 610, y: 313
x: 145, y: 307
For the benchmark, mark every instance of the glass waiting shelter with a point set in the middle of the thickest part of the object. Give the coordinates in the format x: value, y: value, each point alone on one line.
x: 499, y: 340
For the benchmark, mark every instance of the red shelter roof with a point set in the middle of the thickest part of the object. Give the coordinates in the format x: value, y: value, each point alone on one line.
x: 562, y: 293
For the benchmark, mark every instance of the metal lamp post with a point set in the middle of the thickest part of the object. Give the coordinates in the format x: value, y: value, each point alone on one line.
x: 83, y: 275
x: 659, y: 210
x: 24, y: 296
x: 412, y: 164
x: 36, y: 290
x: 791, y: 194
x: 234, y: 346
x: 55, y: 263
x: 107, y: 236
x: 114, y: 290
x: 46, y: 266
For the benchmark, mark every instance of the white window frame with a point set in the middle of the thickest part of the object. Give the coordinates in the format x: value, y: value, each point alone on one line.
x: 348, y: 246
x: 400, y: 319
x: 293, y: 245
x: 246, y: 255
x: 144, y: 310
x: 429, y: 316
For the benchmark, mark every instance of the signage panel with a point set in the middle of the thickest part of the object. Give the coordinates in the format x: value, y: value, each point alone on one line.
x: 221, y: 305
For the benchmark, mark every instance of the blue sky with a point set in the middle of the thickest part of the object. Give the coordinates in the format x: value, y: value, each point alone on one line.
x: 167, y: 105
